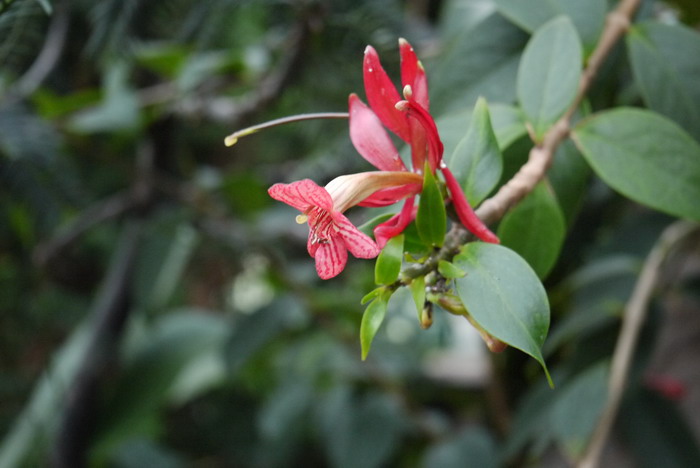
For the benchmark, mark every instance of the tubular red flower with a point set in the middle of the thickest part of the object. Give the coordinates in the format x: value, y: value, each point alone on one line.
x: 396, y: 224
x: 465, y: 213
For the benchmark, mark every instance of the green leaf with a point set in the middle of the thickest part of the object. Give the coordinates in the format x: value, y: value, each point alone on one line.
x: 588, y: 16
x: 508, y: 124
x: 667, y: 74
x: 644, y: 156
x: 449, y: 270
x: 535, y: 229
x: 417, y: 287
x: 656, y: 431
x: 549, y: 73
x: 368, y: 227
x: 504, y: 296
x: 372, y: 320
x: 476, y: 161
x: 569, y: 176
x: 388, y: 265
x: 474, y: 444
x: 581, y: 400
x: 431, y: 219
x: 481, y: 61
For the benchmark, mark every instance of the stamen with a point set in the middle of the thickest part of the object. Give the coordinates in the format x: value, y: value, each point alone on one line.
x: 233, y: 138
x: 302, y: 218
x: 407, y: 92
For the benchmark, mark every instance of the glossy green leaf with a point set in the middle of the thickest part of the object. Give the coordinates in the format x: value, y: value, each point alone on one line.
x: 474, y: 444
x: 508, y: 124
x: 581, y: 400
x: 535, y: 229
x: 359, y: 429
x: 476, y: 161
x: 588, y: 16
x: 657, y: 433
x: 549, y: 73
x: 481, y: 61
x: 668, y: 75
x: 449, y: 270
x: 569, y: 177
x: 644, y: 156
x: 504, y: 296
x: 368, y: 227
x: 372, y: 320
x: 388, y: 265
x: 417, y: 287
x: 431, y: 219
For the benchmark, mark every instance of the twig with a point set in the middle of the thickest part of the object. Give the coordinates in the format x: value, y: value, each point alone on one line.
x: 110, y: 314
x: 541, y: 155
x: 633, y: 319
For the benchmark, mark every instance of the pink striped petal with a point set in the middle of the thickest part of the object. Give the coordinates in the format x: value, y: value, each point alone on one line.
x: 413, y: 74
x: 302, y: 195
x: 358, y: 243
x: 331, y: 258
x: 370, y: 139
x: 382, y: 95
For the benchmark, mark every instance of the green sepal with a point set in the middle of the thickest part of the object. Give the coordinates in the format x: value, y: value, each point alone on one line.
x: 450, y: 270
x: 388, y: 265
x: 417, y: 288
x: 372, y: 320
x: 431, y: 220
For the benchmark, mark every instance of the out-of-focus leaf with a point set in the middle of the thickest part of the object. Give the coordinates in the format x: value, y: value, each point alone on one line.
x: 153, y: 364
x: 569, y: 176
x: 431, y: 219
x: 137, y: 453
x: 388, y: 265
x: 164, y: 257
x: 165, y: 59
x: 657, y: 432
x: 476, y: 161
x: 580, y: 400
x: 535, y: 229
x: 198, y: 68
x: 119, y: 109
x: 549, y: 73
x: 482, y: 61
x: 667, y: 74
x: 588, y: 16
x: 359, y: 432
x: 644, y: 156
x: 503, y: 294
x: 258, y: 329
x: 473, y: 446
x: 284, y: 409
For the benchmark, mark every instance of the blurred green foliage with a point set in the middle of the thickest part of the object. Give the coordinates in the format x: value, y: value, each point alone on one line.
x: 231, y: 351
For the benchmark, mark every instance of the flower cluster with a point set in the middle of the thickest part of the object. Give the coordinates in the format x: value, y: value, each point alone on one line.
x: 331, y: 234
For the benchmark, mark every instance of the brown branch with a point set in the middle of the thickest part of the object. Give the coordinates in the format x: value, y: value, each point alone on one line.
x: 541, y: 155
x: 633, y: 319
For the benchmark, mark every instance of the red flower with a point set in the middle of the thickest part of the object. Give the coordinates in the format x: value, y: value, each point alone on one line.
x: 410, y: 120
x: 331, y: 234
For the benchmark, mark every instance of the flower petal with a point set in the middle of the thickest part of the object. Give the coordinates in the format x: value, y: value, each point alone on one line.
x: 370, y: 139
x: 358, y: 243
x: 331, y: 258
x: 302, y: 195
x: 389, y: 196
x: 413, y: 74
x: 396, y: 224
x: 382, y: 96
x: 465, y: 213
